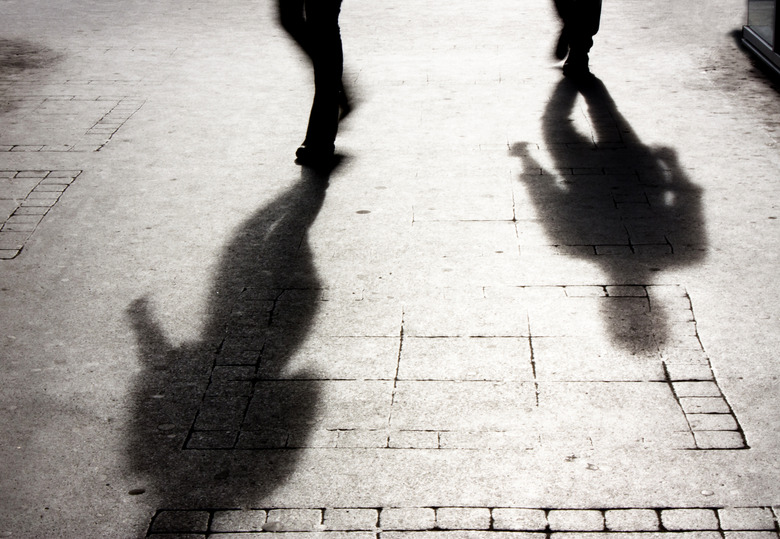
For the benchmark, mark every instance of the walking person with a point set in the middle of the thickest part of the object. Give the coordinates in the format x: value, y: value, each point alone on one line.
x: 581, y: 20
x: 314, y: 25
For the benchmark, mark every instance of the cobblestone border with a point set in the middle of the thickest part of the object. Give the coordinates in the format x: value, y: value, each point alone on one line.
x: 97, y: 135
x: 755, y: 522
x: 21, y: 224
x: 711, y: 422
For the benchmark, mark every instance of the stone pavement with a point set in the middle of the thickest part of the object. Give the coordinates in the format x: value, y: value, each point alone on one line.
x: 521, y: 306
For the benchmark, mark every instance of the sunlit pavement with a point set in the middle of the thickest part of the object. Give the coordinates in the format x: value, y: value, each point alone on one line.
x: 521, y: 304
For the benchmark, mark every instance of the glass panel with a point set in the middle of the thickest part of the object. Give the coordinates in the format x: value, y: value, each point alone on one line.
x: 761, y: 19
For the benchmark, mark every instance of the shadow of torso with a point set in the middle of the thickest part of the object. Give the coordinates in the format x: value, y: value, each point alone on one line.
x: 203, y: 410
x: 626, y: 206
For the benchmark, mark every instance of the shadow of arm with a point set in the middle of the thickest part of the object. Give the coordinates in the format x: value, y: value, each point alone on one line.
x: 152, y: 342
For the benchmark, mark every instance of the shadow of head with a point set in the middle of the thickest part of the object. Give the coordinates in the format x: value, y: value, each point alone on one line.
x: 216, y: 419
x: 19, y: 55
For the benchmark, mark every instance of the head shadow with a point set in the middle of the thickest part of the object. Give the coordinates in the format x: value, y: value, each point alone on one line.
x: 609, y: 198
x: 219, y: 422
x: 19, y: 57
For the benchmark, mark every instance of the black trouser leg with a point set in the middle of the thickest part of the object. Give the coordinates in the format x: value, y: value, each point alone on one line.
x: 581, y: 19
x: 322, y: 27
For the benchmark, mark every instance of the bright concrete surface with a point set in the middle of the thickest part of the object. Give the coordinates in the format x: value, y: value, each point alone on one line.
x: 519, y: 304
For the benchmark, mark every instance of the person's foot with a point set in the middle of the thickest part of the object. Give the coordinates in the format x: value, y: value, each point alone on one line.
x: 316, y: 157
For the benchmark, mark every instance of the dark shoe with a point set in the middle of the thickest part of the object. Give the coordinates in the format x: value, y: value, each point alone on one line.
x: 316, y: 157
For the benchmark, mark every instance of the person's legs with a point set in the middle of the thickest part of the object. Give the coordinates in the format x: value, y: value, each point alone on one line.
x: 291, y: 18
x: 322, y: 27
x: 581, y: 19
x: 583, y: 23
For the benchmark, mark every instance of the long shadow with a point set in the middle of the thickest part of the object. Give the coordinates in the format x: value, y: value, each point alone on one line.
x: 203, y: 412
x: 610, y: 198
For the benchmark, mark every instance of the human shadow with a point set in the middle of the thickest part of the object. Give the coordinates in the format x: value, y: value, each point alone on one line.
x: 612, y: 199
x: 203, y: 411
x: 17, y: 58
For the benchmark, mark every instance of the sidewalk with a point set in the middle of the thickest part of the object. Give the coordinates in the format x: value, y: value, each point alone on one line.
x: 520, y: 305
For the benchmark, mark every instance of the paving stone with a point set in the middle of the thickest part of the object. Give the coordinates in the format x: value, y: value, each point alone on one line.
x: 38, y: 202
x: 469, y: 406
x: 212, y: 439
x: 414, y: 518
x: 519, y: 519
x: 43, y: 197
x: 299, y: 535
x: 10, y: 241
x: 460, y: 534
x: 473, y: 318
x: 591, y: 359
x: 585, y: 291
x: 614, y: 250
x: 342, y: 405
x: 247, y: 520
x: 631, y: 520
x: 696, y: 389
x: 19, y: 227
x: 626, y: 410
x: 32, y: 174
x: 357, y: 358
x: 361, y: 438
x: 689, y: 519
x: 681, y: 371
x: 703, y: 422
x: 180, y: 521
x: 746, y: 518
x: 459, y: 358
x: 306, y: 437
x: 495, y: 440
x: 409, y: 439
x: 719, y: 440
x: 265, y: 439
x: 627, y: 291
x: 575, y: 520
x: 221, y: 413
x: 463, y: 518
x: 576, y: 317
x: 63, y: 174
x: 33, y: 220
x: 292, y: 520
x: 346, y: 318
x: 704, y: 405
x: 750, y: 535
x: 351, y: 519
x: 638, y: 535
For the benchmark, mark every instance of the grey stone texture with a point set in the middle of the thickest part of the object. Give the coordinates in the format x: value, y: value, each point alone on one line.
x: 521, y: 306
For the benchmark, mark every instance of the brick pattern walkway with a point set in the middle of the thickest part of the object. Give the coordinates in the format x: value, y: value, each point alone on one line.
x: 26, y: 196
x: 65, y: 123
x: 514, y: 361
x: 471, y: 522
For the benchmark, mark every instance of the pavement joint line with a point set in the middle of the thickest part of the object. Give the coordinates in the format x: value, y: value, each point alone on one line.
x: 438, y: 520
x: 710, y: 421
x: 122, y: 109
x: 40, y: 199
